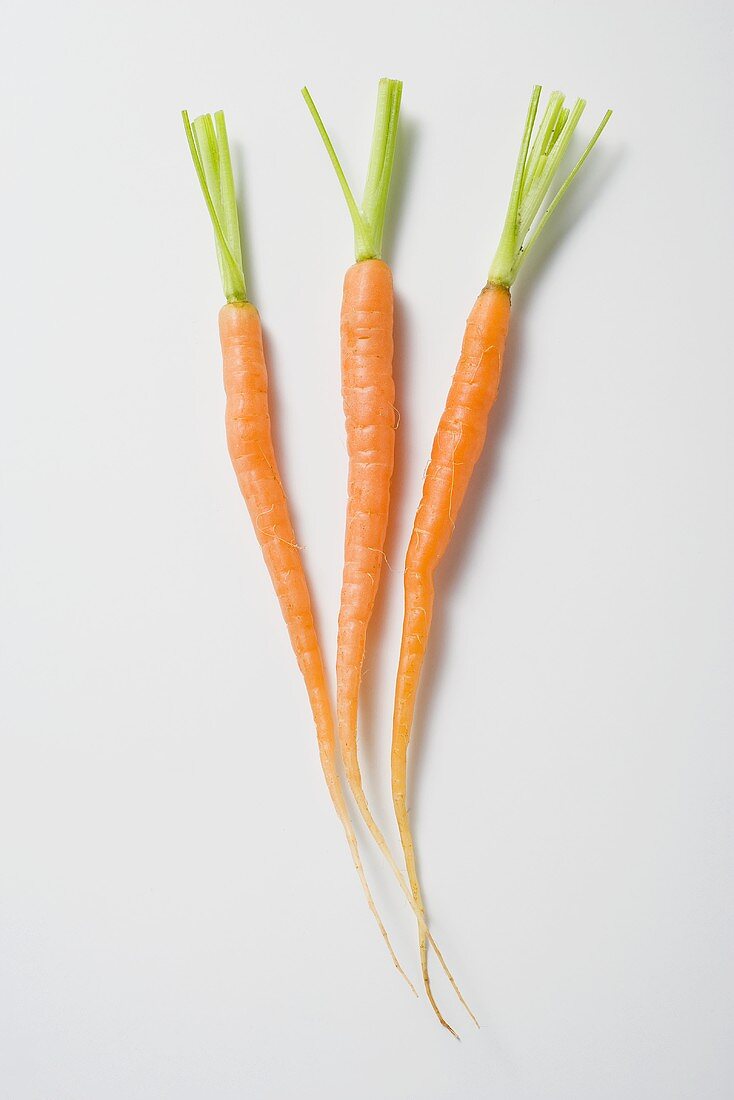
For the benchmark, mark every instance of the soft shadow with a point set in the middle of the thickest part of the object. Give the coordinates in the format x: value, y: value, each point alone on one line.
x: 457, y: 558
x: 578, y: 204
x: 565, y: 222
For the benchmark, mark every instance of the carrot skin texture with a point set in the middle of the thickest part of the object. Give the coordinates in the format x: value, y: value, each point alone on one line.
x: 250, y: 445
x: 368, y: 393
x: 457, y: 445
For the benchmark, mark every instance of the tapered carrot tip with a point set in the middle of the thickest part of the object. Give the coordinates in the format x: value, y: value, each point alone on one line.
x: 402, y: 974
x: 448, y: 1027
x: 426, y: 978
x: 396, y: 961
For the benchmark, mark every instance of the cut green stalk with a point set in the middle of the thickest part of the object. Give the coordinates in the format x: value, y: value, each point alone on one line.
x: 369, y: 220
x: 537, y: 167
x: 210, y: 153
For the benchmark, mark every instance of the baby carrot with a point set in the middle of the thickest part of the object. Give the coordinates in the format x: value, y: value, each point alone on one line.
x: 251, y: 450
x: 368, y: 393
x: 463, y: 425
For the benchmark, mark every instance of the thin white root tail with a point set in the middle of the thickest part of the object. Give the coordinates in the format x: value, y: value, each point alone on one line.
x: 427, y: 985
x: 360, y: 798
x: 449, y: 975
x: 357, y: 860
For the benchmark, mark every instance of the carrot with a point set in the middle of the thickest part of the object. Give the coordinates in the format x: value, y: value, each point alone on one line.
x: 463, y: 426
x: 251, y: 450
x: 368, y: 393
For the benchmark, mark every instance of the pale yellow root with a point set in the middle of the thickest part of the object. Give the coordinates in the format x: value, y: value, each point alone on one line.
x: 425, y: 936
x: 327, y: 755
x: 354, y: 779
x: 357, y: 860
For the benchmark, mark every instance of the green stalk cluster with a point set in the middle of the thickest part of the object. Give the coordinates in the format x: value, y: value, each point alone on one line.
x: 537, y: 166
x: 210, y: 152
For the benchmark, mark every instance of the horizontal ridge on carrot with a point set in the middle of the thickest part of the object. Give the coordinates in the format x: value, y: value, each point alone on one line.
x: 251, y: 449
x: 368, y: 393
x: 463, y: 426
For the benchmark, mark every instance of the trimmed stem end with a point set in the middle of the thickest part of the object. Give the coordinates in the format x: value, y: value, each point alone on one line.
x: 369, y: 219
x: 209, y: 147
x: 537, y: 166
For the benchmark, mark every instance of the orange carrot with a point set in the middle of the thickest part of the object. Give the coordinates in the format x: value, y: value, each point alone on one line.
x: 463, y: 427
x: 368, y: 394
x: 251, y: 450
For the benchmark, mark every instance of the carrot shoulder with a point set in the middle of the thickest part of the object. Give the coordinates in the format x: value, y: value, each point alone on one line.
x: 463, y: 426
x: 250, y: 444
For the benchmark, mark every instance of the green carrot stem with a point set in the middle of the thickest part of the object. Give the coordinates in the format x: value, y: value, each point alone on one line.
x: 210, y: 153
x: 537, y: 167
x: 369, y: 220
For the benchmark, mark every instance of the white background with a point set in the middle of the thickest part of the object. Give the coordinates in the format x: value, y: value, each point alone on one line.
x: 179, y: 915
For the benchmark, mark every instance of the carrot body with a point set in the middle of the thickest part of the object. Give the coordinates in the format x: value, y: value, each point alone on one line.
x: 369, y: 396
x: 368, y: 393
x: 456, y: 448
x: 251, y: 450
x: 463, y: 426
